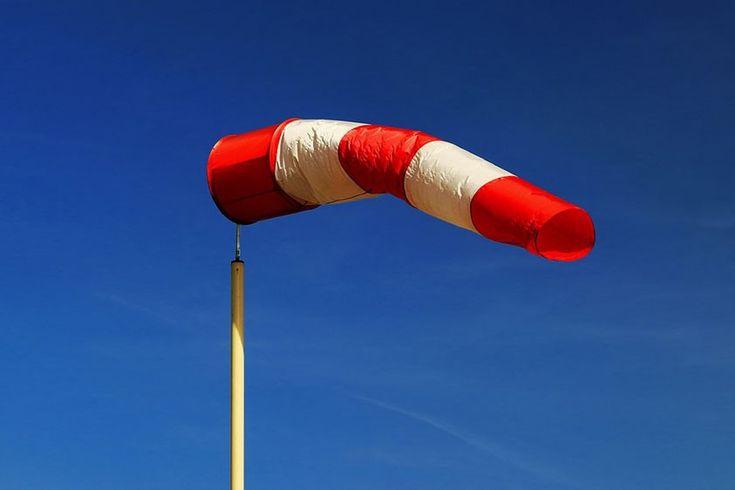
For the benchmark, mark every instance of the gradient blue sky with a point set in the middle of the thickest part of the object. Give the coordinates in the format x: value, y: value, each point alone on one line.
x: 386, y: 349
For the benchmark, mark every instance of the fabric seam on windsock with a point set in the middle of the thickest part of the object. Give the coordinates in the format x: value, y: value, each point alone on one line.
x: 273, y: 149
x: 377, y: 157
x: 307, y: 165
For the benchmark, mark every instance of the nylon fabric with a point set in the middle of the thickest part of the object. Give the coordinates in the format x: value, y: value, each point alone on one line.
x: 442, y: 178
x: 307, y: 165
x: 376, y: 157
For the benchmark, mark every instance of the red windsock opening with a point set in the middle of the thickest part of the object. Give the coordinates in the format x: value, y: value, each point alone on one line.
x: 567, y: 235
x: 511, y: 210
x: 241, y: 180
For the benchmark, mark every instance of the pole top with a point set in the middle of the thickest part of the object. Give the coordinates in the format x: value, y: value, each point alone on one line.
x: 237, y: 242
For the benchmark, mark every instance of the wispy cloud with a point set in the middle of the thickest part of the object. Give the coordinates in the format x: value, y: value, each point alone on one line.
x: 489, y: 448
x: 137, y: 308
x: 722, y: 221
x: 170, y: 311
x: 175, y: 333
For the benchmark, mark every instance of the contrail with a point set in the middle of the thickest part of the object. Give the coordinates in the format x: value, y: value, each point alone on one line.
x: 491, y: 449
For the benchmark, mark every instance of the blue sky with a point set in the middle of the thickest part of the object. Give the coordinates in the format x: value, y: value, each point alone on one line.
x: 386, y: 349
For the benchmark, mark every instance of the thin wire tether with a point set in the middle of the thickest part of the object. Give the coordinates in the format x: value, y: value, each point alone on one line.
x: 237, y: 241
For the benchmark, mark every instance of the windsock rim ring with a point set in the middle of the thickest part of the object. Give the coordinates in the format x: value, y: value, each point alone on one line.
x: 566, y: 236
x: 210, y: 183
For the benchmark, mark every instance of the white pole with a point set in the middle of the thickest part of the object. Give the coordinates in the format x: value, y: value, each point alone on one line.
x: 237, y: 363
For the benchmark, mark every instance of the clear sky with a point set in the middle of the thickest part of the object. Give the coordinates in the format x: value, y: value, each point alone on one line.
x: 386, y: 349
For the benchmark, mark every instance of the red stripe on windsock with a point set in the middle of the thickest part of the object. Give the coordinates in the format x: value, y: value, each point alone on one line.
x: 511, y: 210
x: 241, y: 179
x: 376, y: 157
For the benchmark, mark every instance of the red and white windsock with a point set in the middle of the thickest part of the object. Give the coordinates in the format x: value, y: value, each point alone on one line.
x: 304, y: 163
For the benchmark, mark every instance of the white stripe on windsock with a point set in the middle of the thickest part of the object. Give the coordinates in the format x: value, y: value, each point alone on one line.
x: 442, y: 179
x: 307, y: 163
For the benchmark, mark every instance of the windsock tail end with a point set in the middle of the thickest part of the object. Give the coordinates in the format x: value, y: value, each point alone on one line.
x: 511, y: 210
x: 566, y: 236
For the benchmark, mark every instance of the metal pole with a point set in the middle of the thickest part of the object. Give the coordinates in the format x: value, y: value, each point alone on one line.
x: 237, y: 364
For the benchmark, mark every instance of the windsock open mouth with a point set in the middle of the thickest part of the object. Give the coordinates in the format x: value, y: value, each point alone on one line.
x: 514, y: 211
x: 566, y: 236
x: 301, y: 164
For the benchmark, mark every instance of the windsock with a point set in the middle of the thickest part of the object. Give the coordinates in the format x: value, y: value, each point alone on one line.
x: 301, y: 164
